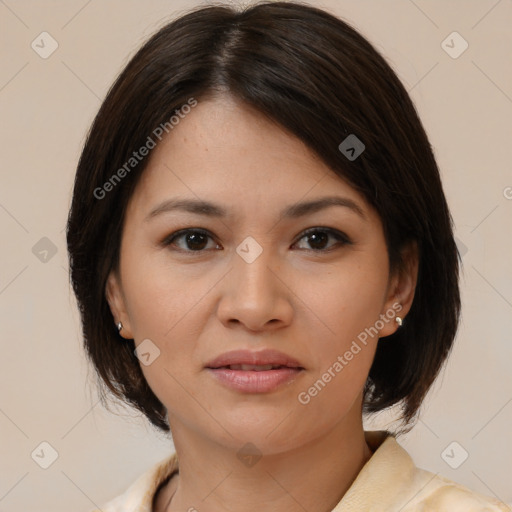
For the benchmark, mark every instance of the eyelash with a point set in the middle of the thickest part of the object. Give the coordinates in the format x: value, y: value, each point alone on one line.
x: 338, y: 235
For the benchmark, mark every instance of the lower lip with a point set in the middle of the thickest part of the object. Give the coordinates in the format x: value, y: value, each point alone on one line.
x: 250, y: 381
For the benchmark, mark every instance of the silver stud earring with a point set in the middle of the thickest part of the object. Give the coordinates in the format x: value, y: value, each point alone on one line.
x: 399, y: 321
x: 119, y: 326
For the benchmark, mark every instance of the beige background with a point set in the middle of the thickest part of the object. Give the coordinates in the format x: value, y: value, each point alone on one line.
x: 46, y: 106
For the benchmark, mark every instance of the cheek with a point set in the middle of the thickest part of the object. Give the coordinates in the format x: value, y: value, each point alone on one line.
x: 165, y: 306
x: 347, y: 299
x: 158, y: 296
x: 334, y: 392
x: 344, y: 306
x: 345, y: 344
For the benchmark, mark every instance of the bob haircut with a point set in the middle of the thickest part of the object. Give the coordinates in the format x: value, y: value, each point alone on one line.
x: 318, y: 78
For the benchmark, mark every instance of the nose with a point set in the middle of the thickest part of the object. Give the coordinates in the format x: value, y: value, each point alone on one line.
x: 255, y: 296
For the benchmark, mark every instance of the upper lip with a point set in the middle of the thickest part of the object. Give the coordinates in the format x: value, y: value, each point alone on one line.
x: 261, y: 357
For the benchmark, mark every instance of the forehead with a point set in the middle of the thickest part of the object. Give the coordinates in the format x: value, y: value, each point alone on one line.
x: 218, y: 129
x: 225, y: 150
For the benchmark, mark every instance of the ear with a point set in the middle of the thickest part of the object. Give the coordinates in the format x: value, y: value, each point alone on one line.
x: 401, y: 288
x: 116, y: 301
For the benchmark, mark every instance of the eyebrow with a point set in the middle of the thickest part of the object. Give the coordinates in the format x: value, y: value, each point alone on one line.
x: 297, y: 210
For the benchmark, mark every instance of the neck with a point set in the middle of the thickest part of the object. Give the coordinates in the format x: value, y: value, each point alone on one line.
x: 314, y: 476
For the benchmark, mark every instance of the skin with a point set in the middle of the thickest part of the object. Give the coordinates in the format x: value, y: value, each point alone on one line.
x: 309, y: 304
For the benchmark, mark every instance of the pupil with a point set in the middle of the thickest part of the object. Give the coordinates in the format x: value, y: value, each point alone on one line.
x: 196, y: 241
x: 319, y: 238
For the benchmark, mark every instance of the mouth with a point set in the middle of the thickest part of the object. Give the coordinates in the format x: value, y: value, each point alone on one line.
x: 248, y: 360
x: 254, y: 372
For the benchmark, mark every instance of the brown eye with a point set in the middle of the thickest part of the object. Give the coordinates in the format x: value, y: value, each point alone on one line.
x: 318, y: 239
x: 191, y: 240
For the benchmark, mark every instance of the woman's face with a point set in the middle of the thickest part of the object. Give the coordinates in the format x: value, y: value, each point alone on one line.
x: 266, y: 274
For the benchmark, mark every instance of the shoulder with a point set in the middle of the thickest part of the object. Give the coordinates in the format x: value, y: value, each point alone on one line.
x: 141, y: 495
x: 391, y: 481
x: 435, y: 493
x: 441, y: 494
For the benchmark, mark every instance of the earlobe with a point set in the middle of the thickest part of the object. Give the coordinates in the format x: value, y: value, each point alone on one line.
x: 402, y: 289
x: 115, y: 299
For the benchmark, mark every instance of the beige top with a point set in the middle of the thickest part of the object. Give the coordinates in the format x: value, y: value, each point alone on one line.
x: 388, y: 482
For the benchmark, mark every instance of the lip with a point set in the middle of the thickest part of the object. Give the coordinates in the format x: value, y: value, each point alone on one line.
x: 262, y: 357
x: 254, y: 381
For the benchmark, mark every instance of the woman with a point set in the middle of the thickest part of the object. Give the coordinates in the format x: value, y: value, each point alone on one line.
x: 262, y: 252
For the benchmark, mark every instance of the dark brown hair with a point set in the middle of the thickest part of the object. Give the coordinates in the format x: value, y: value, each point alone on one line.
x: 321, y: 80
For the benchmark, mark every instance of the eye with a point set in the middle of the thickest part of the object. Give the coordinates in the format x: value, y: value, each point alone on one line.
x: 192, y: 240
x: 197, y: 240
x: 318, y: 238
